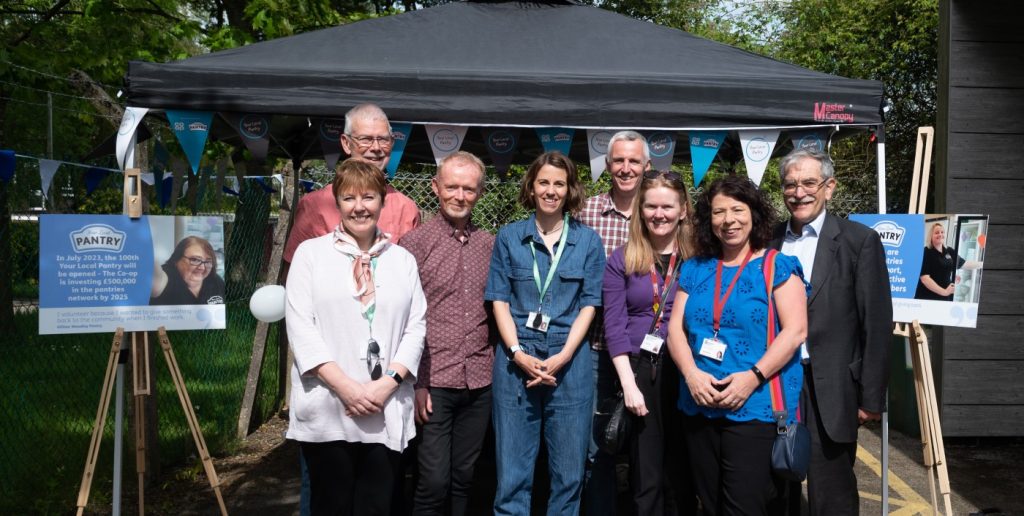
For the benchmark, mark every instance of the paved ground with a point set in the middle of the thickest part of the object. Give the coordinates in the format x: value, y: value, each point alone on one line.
x: 984, y: 475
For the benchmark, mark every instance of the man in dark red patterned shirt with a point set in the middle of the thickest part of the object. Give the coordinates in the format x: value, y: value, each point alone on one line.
x: 453, y: 388
x: 608, y: 213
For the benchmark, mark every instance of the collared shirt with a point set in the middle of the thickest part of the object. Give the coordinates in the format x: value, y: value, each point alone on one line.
x: 575, y: 284
x: 453, y: 269
x: 317, y: 214
x: 612, y: 226
x: 803, y: 247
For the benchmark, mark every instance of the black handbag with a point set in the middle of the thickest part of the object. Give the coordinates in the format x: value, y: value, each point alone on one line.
x: 791, y: 451
x: 613, y: 422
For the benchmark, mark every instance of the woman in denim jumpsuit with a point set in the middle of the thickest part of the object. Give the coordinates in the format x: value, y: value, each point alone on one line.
x: 543, y: 374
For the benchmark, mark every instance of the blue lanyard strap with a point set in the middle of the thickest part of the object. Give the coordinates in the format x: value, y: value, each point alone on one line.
x: 554, y: 260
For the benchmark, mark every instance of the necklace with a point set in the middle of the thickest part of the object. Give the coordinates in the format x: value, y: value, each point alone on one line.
x: 549, y: 231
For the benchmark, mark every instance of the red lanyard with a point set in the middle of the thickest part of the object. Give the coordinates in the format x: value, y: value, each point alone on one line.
x: 719, y: 302
x: 669, y: 276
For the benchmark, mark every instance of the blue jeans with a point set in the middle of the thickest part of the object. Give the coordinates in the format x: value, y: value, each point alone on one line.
x: 602, y: 486
x: 563, y: 413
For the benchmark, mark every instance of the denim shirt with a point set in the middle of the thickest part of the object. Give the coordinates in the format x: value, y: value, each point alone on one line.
x: 576, y: 283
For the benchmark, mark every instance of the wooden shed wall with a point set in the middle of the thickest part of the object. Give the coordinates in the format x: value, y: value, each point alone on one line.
x: 981, y: 170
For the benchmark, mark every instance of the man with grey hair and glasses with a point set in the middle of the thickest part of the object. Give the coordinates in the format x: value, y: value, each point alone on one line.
x: 849, y: 316
x: 367, y: 138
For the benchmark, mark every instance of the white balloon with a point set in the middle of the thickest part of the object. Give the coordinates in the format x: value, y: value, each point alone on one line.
x: 267, y: 303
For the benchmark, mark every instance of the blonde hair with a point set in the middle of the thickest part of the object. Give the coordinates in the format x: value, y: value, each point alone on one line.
x: 640, y: 255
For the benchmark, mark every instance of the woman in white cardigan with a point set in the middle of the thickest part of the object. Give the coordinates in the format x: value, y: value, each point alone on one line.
x: 355, y: 317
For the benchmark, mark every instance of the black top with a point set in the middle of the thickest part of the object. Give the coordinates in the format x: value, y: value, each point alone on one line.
x: 939, y: 266
x: 177, y: 293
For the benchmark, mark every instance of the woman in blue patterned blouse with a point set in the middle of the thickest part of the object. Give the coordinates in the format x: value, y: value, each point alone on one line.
x: 718, y: 339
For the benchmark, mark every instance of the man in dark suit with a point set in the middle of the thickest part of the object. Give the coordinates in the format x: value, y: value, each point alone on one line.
x: 849, y: 311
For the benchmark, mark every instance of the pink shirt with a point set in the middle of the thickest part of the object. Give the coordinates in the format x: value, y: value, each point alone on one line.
x: 317, y: 214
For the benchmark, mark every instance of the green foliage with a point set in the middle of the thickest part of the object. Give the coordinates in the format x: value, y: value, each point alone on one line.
x: 895, y: 42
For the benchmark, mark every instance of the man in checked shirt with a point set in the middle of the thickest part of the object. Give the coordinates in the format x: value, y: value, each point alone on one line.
x: 608, y: 213
x: 453, y: 388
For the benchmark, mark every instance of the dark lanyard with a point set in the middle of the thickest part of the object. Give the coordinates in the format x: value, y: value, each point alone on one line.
x: 719, y: 302
x: 659, y: 296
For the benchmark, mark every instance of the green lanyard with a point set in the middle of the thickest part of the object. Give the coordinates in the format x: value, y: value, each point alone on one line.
x: 554, y: 261
x: 373, y: 309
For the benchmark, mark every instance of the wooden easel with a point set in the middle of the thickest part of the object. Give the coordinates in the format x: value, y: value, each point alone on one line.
x: 141, y: 380
x: 932, y: 446
x: 141, y: 387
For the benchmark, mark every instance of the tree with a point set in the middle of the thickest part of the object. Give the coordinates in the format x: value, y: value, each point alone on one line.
x: 895, y: 42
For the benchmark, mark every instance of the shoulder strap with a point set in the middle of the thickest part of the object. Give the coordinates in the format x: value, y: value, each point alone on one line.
x: 775, y: 384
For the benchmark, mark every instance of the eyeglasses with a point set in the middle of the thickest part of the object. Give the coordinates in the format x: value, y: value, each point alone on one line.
x: 373, y: 360
x: 365, y: 142
x: 196, y: 261
x: 810, y: 186
x: 667, y: 174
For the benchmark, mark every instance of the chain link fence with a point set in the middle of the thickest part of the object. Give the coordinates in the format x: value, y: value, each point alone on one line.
x: 50, y: 384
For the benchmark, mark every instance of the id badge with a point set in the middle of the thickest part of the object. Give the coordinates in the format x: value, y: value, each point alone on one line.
x: 652, y: 343
x: 713, y: 349
x: 538, y: 321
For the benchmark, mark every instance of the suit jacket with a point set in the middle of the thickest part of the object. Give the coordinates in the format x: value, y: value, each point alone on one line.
x: 849, y: 315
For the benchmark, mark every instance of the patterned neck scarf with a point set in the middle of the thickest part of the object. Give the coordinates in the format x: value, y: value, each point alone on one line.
x: 362, y: 271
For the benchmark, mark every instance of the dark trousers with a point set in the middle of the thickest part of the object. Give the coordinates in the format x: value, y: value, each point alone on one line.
x: 831, y: 483
x: 450, y: 445
x: 350, y: 478
x: 659, y: 486
x: 731, y: 464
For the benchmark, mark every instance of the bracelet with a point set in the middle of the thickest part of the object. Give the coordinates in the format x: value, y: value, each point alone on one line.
x: 513, y: 350
x: 760, y: 376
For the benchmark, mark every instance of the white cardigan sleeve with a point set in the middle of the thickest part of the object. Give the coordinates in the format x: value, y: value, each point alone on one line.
x: 410, y: 345
x: 304, y: 337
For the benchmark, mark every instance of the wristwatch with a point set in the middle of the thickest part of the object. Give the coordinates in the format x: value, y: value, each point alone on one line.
x: 513, y: 350
x: 760, y: 376
x: 394, y: 376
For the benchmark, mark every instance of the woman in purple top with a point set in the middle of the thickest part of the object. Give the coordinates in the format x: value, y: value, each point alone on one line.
x: 639, y: 287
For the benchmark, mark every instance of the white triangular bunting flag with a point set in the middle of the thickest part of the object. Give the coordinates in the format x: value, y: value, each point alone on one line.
x: 47, y: 169
x: 445, y: 140
x: 124, y: 147
x: 757, y: 150
x: 597, y: 145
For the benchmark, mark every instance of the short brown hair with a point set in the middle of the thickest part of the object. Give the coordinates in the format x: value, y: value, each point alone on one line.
x: 359, y: 176
x: 574, y: 198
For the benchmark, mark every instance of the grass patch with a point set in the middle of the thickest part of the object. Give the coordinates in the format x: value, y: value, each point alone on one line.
x: 50, y: 388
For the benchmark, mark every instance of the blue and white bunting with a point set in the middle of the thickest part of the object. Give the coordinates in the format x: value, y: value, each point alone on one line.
x: 501, y: 143
x: 811, y: 139
x: 47, y: 169
x: 124, y: 146
x: 597, y: 146
x: 330, y: 131
x: 192, y: 129
x: 556, y: 138
x: 704, y: 146
x: 445, y: 140
x: 663, y: 148
x: 758, y: 146
x: 400, y: 132
x: 7, y: 162
x: 93, y: 177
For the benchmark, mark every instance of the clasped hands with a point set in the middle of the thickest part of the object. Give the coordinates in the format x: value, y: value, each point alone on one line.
x: 540, y: 372
x: 362, y: 399
x: 729, y: 393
